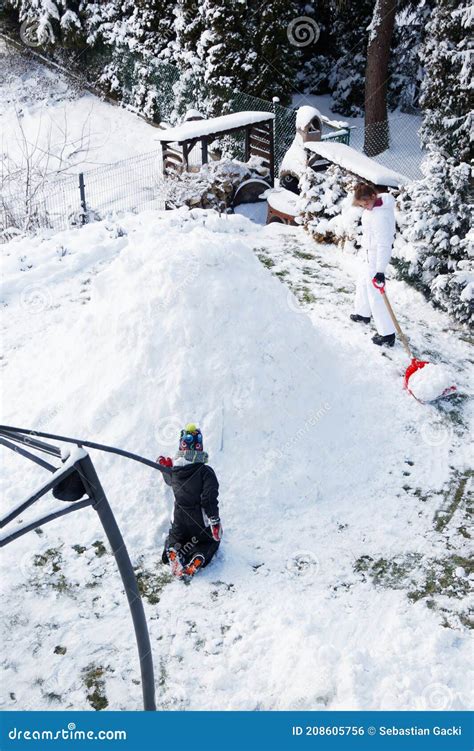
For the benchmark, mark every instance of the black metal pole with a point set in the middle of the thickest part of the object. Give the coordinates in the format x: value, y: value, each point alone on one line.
x: 28, y: 455
x: 10, y: 432
x: 114, y: 536
x: 82, y: 192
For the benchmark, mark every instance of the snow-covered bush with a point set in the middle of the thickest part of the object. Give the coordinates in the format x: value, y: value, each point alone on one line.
x: 45, y: 22
x: 326, y: 210
x: 213, y: 186
x: 435, y: 250
x: 435, y: 253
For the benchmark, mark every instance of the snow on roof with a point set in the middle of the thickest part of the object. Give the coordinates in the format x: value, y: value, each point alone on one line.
x: 334, y: 123
x: 360, y: 164
x: 211, y: 125
x: 193, y: 115
x: 305, y: 114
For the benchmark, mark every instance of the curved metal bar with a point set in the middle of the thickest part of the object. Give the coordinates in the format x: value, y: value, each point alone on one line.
x: 6, y: 429
x: 119, y: 549
x: 19, y: 532
x: 28, y: 455
x: 15, y: 435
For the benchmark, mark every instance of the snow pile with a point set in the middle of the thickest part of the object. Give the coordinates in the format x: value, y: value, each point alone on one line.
x: 430, y: 382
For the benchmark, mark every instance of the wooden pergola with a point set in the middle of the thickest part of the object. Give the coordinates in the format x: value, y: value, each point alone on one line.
x: 257, y: 126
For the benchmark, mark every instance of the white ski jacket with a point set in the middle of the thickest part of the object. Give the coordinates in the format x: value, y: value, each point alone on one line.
x: 378, y: 232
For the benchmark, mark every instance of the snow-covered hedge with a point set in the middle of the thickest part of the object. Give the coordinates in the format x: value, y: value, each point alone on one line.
x: 434, y: 251
x: 326, y: 210
x: 214, y: 185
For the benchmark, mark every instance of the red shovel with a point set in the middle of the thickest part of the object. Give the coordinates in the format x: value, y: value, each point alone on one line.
x: 415, y: 364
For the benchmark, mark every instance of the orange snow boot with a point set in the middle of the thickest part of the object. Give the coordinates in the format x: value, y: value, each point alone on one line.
x: 175, y: 563
x: 193, y: 566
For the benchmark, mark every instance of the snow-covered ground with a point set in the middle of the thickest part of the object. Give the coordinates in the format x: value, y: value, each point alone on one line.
x: 341, y: 581
x: 66, y: 129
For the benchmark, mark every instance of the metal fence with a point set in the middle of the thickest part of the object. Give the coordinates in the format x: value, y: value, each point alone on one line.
x: 404, y: 153
x: 129, y: 185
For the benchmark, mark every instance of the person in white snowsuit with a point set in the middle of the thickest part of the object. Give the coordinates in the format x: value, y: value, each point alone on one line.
x: 378, y: 232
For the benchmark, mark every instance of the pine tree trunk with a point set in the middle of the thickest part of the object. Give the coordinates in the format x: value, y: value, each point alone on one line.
x: 376, y: 136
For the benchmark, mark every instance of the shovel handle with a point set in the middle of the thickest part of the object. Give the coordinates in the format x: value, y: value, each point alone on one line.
x: 400, y: 333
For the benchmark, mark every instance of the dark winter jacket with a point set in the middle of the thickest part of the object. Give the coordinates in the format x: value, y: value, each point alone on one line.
x: 195, y: 488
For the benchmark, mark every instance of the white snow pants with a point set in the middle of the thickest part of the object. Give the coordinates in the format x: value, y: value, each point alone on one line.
x: 369, y: 301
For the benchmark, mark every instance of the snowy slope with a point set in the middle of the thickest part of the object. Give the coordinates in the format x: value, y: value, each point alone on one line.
x: 43, y: 112
x: 121, y: 332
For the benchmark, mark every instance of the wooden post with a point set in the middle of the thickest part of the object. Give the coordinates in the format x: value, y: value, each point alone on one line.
x: 272, y: 152
x: 164, y: 149
x: 204, y: 154
x: 186, y: 155
x: 247, y: 142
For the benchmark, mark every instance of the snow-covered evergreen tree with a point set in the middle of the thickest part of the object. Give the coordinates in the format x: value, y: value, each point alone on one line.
x: 225, y: 50
x: 405, y: 67
x: 183, y: 52
x: 277, y: 55
x: 347, y: 72
x: 325, y: 207
x: 433, y: 253
x: 436, y: 252
x: 447, y: 60
x: 50, y: 21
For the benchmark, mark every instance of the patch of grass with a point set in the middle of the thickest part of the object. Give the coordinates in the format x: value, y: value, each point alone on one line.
x: 385, y: 572
x: 304, y: 256
x: 62, y: 585
x: 53, y: 698
x: 306, y: 296
x: 455, y: 495
x: 151, y: 584
x: 440, y: 578
x: 281, y: 274
x: 80, y: 549
x: 93, y: 677
x: 100, y: 548
x: 428, y: 579
x: 51, y: 556
x: 266, y: 260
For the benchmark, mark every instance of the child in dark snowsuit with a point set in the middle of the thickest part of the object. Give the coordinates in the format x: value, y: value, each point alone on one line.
x: 196, y: 531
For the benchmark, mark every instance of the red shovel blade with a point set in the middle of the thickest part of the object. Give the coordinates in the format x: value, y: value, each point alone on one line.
x: 412, y: 368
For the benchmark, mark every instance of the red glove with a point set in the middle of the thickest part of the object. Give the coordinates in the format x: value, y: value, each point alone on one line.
x: 216, y: 529
x: 165, y: 461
